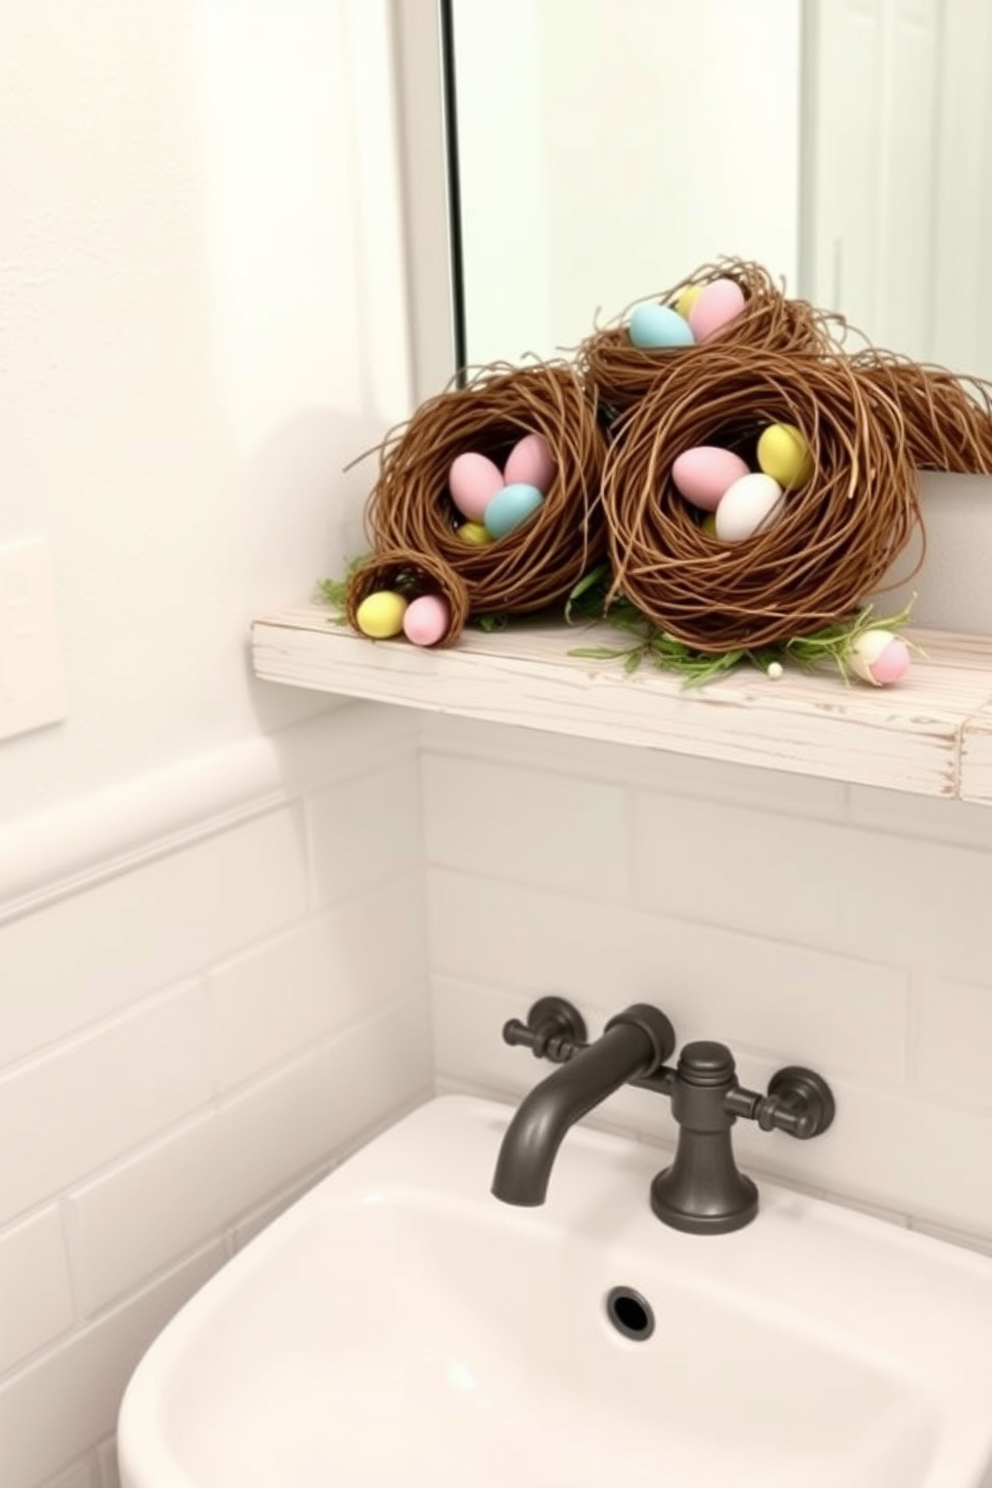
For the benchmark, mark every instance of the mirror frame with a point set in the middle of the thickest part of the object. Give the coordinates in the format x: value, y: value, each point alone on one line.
x: 426, y: 87
x: 423, y: 71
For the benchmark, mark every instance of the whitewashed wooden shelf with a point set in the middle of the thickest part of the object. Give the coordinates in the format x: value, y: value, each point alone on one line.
x: 930, y: 735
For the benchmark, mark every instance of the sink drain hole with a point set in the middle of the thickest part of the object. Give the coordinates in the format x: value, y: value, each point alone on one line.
x: 630, y: 1313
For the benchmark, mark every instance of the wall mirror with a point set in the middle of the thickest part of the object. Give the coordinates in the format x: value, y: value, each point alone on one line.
x: 606, y: 148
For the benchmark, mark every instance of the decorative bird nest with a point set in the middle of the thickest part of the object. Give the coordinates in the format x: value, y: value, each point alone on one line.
x: 416, y: 531
x: 393, y: 571
x: 948, y: 419
x: 836, y: 537
x: 622, y: 373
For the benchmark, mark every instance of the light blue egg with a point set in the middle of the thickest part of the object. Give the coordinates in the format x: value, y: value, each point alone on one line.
x: 653, y: 326
x: 510, y: 507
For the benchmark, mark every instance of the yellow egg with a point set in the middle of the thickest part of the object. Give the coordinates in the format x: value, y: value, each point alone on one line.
x: 688, y: 298
x: 475, y: 534
x: 380, y: 615
x: 784, y: 455
x: 708, y: 524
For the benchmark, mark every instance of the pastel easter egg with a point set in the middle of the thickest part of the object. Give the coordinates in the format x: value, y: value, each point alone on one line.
x: 380, y: 615
x: 704, y: 473
x: 752, y: 504
x: 878, y: 657
x: 719, y: 304
x: 784, y: 455
x: 531, y: 463
x: 688, y: 298
x: 426, y: 620
x: 655, y: 326
x: 511, y: 507
x: 475, y: 534
x: 473, y: 481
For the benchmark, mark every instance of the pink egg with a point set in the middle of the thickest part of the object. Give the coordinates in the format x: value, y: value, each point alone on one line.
x: 892, y: 664
x: 426, y: 620
x: 473, y: 481
x: 531, y: 463
x: 702, y: 474
x: 719, y: 303
x: 879, y: 657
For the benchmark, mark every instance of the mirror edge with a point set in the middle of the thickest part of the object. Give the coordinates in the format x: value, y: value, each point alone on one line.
x: 429, y: 211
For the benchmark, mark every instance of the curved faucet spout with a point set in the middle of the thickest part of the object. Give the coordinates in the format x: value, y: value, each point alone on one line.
x: 630, y: 1047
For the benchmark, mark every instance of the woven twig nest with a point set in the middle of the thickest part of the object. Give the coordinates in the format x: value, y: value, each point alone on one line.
x: 412, y: 522
x: 948, y: 418
x: 622, y: 374
x: 396, y: 571
x: 838, y: 535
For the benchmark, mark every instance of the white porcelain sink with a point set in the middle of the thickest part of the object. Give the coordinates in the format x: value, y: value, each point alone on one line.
x: 400, y: 1326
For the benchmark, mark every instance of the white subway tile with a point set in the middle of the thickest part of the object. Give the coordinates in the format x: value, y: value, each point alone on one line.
x: 366, y: 830
x: 895, y: 812
x: 527, y: 826
x: 981, y: 1243
x: 259, y: 1219
x: 141, y: 1215
x: 803, y: 1005
x: 263, y: 1215
x: 952, y: 1031
x: 110, y: 1476
x: 348, y: 740
x: 90, y: 1100
x: 90, y: 955
x: 922, y: 903
x: 912, y: 903
x: 768, y: 875
x: 874, y: 1211
x: 298, y: 1117
x: 653, y: 769
x: 84, y: 1474
x: 202, y: 1178
x: 35, y: 1294
x: 468, y: 1046
x: 280, y: 997
x: 752, y: 786
x: 889, y: 1149
x: 66, y: 1403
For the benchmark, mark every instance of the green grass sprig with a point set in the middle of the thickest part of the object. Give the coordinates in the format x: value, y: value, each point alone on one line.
x: 829, y: 646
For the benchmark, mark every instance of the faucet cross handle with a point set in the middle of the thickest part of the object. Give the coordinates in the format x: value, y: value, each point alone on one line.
x: 799, y: 1102
x: 554, y: 1030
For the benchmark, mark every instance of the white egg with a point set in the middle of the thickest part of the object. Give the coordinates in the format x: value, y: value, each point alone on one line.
x: 752, y: 504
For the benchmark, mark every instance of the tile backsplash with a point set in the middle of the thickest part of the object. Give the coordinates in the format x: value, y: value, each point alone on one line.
x: 801, y: 921
x: 185, y: 1044
x: 192, y: 1033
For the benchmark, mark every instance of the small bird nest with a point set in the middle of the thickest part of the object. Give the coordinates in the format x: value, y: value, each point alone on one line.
x: 948, y: 418
x: 411, y: 521
x: 623, y: 373
x: 395, y: 570
x: 838, y: 535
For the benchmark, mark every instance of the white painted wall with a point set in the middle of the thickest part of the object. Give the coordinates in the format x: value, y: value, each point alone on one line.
x: 204, y: 320
x: 610, y: 147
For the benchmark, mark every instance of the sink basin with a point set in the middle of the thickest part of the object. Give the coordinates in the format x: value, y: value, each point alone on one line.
x: 399, y: 1325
